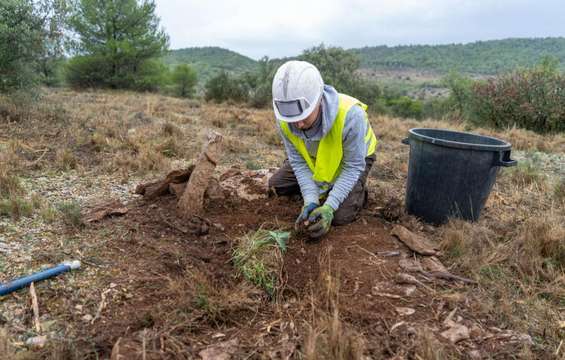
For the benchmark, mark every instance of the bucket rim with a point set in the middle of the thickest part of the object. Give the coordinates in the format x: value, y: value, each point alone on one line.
x: 504, y: 145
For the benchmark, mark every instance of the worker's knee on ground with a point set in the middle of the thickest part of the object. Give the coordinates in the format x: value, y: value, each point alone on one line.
x: 344, y: 217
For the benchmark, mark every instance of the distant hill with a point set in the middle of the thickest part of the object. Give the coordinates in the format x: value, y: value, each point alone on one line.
x: 209, y: 61
x: 481, y: 57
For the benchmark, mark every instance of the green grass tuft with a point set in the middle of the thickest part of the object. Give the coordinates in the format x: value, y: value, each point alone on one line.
x: 258, y: 257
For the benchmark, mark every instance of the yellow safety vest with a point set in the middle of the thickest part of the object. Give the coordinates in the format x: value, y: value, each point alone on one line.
x: 330, y: 150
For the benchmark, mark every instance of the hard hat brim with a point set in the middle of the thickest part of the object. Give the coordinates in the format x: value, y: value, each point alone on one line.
x: 293, y: 119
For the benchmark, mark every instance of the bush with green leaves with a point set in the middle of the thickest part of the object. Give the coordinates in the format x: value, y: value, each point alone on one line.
x: 405, y: 107
x: 119, y: 42
x: 531, y: 98
x: 184, y: 79
x: 224, y: 87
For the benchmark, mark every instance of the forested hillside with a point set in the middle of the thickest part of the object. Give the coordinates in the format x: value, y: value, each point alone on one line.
x: 481, y: 57
x: 209, y: 61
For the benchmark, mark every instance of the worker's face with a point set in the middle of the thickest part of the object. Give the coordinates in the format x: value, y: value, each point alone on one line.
x: 309, y: 121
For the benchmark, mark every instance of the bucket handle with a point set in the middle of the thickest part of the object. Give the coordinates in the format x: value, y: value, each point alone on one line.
x: 406, y: 141
x: 504, y: 159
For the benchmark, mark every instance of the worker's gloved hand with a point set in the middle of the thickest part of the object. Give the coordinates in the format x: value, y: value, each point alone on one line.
x: 321, y: 218
x: 304, y: 214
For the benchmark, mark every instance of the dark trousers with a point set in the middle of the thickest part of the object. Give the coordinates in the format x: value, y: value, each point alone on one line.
x: 283, y: 182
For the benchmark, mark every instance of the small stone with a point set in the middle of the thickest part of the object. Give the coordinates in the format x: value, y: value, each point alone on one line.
x: 409, y: 290
x: 87, y: 318
x: 475, y: 332
x: 37, y: 341
x: 456, y: 333
x: 405, y: 311
x: 78, y: 308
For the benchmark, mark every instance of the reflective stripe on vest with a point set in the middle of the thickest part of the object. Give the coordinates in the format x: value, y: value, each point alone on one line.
x: 330, y: 149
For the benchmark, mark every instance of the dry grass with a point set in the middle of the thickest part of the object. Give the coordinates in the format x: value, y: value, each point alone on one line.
x: 6, y: 348
x: 428, y: 347
x: 516, y: 251
x: 327, y: 336
x: 195, y: 297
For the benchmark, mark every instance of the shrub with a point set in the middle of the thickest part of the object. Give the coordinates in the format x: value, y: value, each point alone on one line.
x: 533, y: 99
x: 258, y: 257
x: 184, y: 78
x: 70, y: 213
x: 406, y: 107
x: 87, y: 71
x: 225, y: 87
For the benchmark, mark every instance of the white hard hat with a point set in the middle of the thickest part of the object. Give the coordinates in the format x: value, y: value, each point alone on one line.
x: 297, y: 89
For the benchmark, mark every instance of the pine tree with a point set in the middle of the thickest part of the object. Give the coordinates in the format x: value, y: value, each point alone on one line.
x: 117, y: 41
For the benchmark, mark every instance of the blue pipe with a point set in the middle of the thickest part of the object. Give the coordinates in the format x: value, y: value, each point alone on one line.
x: 17, y: 284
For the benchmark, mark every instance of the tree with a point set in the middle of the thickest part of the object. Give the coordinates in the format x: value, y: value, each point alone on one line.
x: 52, y: 58
x: 339, y: 68
x: 21, y: 43
x: 185, y: 79
x: 121, y: 35
x: 260, y: 82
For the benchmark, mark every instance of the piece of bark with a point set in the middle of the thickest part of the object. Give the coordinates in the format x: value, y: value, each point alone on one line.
x: 177, y: 189
x: 432, y: 263
x: 114, y: 208
x: 456, y: 333
x: 214, y: 191
x: 192, y: 201
x: 155, y: 189
x: 447, y: 276
x: 35, y: 308
x: 415, y: 242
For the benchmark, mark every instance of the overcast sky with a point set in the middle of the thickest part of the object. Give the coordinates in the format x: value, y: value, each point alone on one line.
x: 286, y: 27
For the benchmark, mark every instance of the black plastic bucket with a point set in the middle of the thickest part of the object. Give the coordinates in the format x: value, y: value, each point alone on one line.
x: 451, y: 173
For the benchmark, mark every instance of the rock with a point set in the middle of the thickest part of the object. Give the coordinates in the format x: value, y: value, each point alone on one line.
x: 409, y: 290
x: 476, y: 332
x: 155, y: 189
x: 414, y: 242
x: 177, y: 189
x: 405, y: 311
x: 87, y: 318
x: 456, y: 333
x: 37, y: 342
x: 192, y: 201
x: 220, y: 351
x: 114, y: 208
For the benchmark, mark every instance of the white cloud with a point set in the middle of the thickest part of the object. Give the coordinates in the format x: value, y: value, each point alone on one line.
x: 284, y: 28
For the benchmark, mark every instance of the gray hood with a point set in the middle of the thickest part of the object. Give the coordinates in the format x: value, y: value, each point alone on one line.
x: 330, y: 101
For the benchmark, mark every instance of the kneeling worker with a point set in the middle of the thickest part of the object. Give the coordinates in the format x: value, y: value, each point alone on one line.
x: 330, y: 147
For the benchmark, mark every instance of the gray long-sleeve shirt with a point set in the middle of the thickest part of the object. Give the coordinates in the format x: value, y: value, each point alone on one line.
x: 354, y: 151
